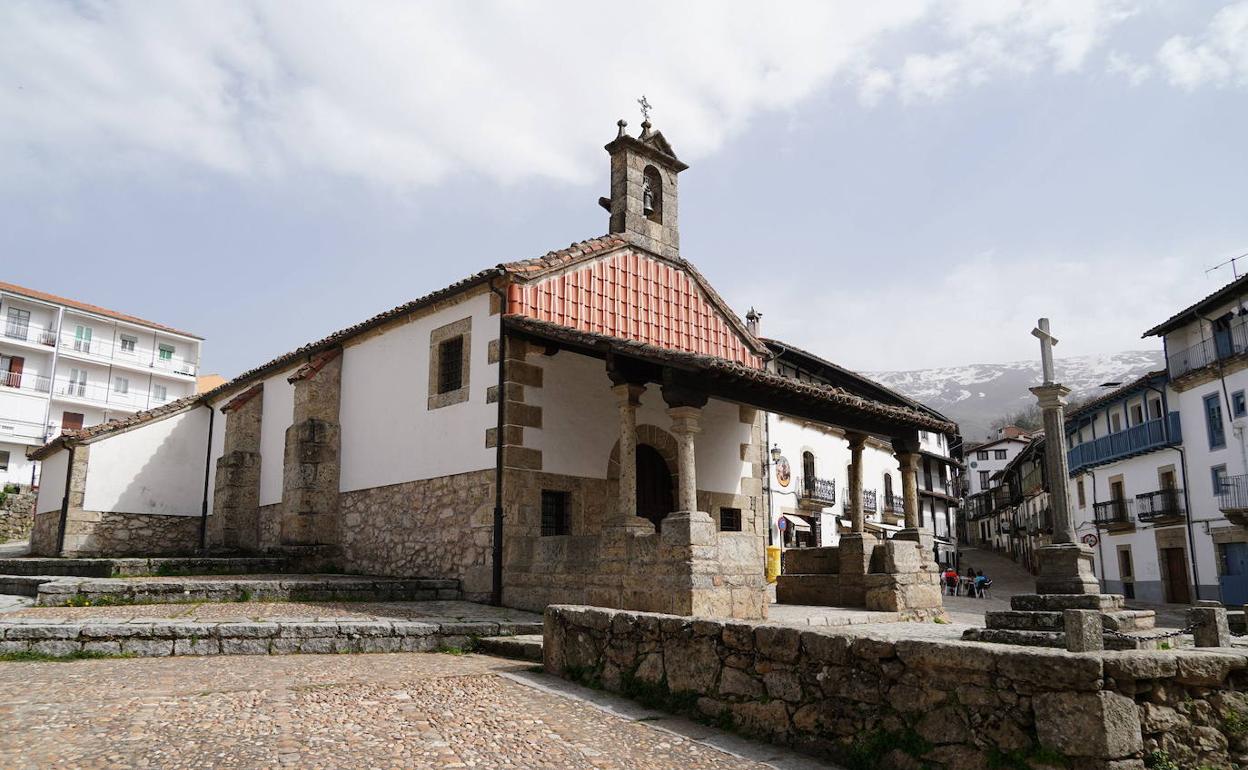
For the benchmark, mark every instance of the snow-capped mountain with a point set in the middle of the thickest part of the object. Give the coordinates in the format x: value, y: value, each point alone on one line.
x: 976, y: 395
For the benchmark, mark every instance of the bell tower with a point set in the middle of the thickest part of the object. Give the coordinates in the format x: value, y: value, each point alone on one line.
x: 643, y: 190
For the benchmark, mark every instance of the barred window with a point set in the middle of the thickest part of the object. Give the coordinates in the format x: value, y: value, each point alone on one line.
x: 729, y: 519
x: 451, y: 364
x: 554, y: 513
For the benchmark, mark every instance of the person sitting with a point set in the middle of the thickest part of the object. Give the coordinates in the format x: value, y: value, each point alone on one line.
x: 968, y: 582
x: 951, y: 580
x: 981, y: 585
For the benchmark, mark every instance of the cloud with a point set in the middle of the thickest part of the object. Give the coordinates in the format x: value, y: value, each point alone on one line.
x: 1118, y: 63
x: 405, y: 95
x: 1219, y: 58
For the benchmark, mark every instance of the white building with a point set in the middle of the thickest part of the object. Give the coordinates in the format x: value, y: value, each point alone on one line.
x: 66, y: 365
x: 984, y: 460
x: 807, y: 488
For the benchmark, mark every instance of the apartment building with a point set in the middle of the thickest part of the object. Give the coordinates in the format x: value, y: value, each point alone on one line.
x: 984, y: 460
x: 67, y: 365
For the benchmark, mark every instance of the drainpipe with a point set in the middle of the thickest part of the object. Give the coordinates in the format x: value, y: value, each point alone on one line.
x: 771, y: 539
x: 1100, y: 548
x: 1187, y: 504
x: 496, y: 587
x: 60, y: 537
x: 203, y: 510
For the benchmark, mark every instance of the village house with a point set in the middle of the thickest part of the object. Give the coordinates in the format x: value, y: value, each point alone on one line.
x: 584, y: 427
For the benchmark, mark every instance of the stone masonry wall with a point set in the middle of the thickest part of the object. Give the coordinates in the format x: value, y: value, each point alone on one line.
x: 43, y: 533
x: 312, y: 456
x: 439, y: 528
x: 918, y: 703
x: 96, y: 533
x: 236, y: 489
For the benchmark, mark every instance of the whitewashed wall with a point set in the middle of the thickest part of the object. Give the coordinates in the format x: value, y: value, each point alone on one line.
x: 156, y: 468
x: 52, y: 482
x: 580, y: 425
x: 389, y: 435
x: 974, y: 465
x: 277, y: 415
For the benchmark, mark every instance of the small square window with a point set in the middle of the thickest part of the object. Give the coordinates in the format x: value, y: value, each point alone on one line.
x: 999, y: 454
x: 982, y: 454
x: 166, y: 352
x: 1239, y: 407
x: 128, y: 343
x: 121, y: 385
x: 1218, y: 475
x: 554, y: 513
x: 160, y: 393
x: 450, y: 365
x: 729, y: 519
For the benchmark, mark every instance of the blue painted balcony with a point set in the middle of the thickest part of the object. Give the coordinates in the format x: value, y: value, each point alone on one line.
x: 1135, y: 440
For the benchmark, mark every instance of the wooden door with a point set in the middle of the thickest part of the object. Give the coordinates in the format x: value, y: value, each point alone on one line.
x: 654, y: 485
x: 71, y: 421
x: 1176, y: 576
x: 14, y: 378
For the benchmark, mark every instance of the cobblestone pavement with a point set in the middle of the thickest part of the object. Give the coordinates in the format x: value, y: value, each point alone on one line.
x: 216, y: 611
x: 366, y: 711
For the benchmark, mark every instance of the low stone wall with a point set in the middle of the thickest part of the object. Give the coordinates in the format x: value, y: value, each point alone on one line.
x: 165, y: 638
x: 439, y: 528
x: 43, y: 533
x: 16, y: 524
x: 98, y: 533
x: 898, y: 705
x: 326, y: 588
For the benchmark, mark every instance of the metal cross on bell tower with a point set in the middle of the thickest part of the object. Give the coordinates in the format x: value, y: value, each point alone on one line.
x: 645, y: 108
x: 1047, y: 341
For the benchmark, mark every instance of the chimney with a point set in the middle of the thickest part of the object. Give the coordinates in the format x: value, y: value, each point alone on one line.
x: 752, y: 319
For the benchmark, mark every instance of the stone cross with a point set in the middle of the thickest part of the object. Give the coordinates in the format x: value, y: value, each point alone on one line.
x: 645, y: 107
x: 1047, y: 341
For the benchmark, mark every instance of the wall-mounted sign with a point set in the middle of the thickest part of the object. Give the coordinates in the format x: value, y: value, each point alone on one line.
x: 783, y: 524
x: 1090, y: 540
x: 784, y: 473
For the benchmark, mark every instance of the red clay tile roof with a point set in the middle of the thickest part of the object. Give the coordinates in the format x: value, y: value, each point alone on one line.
x: 712, y: 364
x: 1232, y: 289
x: 138, y: 418
x: 45, y: 297
x: 1139, y: 383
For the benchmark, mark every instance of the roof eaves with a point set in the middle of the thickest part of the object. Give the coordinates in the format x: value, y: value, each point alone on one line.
x: 1185, y: 315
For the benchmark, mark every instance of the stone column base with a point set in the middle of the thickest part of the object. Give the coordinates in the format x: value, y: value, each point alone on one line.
x: 1066, y: 568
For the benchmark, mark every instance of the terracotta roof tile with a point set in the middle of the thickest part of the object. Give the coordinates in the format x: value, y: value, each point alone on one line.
x: 136, y: 419
x: 1138, y: 383
x: 89, y: 308
x: 1238, y: 286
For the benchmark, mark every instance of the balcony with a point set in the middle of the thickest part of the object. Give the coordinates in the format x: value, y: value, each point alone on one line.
x: 26, y: 332
x: 1232, y: 343
x: 96, y: 393
x: 868, y: 502
x: 143, y: 358
x: 817, y: 491
x: 1113, y: 514
x: 1127, y: 443
x: 1233, y: 499
x: 894, y: 504
x: 27, y: 382
x: 1162, y: 505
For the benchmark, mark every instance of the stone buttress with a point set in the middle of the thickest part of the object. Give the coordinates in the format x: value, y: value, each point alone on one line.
x: 312, y: 459
x: 235, y: 519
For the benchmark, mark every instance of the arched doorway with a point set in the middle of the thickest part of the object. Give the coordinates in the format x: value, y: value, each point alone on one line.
x: 654, y: 485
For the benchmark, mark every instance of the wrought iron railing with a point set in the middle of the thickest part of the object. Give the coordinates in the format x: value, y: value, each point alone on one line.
x: 24, y: 381
x: 1234, y: 494
x: 27, y: 332
x: 1162, y: 504
x: 894, y: 503
x: 868, y: 501
x: 1112, y: 513
x: 818, y: 490
x: 1206, y: 352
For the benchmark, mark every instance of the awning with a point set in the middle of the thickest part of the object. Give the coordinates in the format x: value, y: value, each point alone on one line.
x: 796, y: 522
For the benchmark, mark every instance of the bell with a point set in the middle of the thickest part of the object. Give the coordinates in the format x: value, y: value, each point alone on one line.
x: 647, y: 199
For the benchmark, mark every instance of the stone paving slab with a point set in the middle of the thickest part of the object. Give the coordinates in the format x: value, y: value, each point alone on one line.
x: 410, y: 711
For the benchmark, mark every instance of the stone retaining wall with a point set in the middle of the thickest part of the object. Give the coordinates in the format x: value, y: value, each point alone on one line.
x: 61, y: 591
x: 165, y: 638
x: 917, y: 703
x: 16, y: 524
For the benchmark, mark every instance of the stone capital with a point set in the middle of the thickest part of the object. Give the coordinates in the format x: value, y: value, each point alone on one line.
x: 908, y: 460
x: 686, y: 419
x: 1051, y: 396
x: 629, y: 393
x: 857, y: 441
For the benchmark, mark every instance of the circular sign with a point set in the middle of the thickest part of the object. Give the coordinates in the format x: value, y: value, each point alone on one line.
x: 1090, y: 540
x: 784, y: 473
x: 783, y: 524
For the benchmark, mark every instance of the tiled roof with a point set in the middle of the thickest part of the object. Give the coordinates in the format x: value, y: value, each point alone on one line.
x: 96, y: 309
x: 138, y: 418
x: 1138, y: 383
x: 1219, y: 297
x: 713, y: 365
x: 550, y: 262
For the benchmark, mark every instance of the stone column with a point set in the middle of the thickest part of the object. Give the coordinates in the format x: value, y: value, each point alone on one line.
x: 1066, y: 565
x: 856, y: 443
x: 629, y: 398
x: 909, y: 462
x: 685, y: 425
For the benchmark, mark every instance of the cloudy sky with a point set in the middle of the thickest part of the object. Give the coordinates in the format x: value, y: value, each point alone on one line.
x: 895, y: 185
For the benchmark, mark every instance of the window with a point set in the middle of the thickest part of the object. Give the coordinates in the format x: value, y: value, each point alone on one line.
x: 160, y: 393
x: 18, y: 325
x: 983, y: 480
x: 1239, y: 407
x: 1155, y: 408
x: 981, y: 454
x: 1083, y: 499
x: 1213, y: 421
x: 165, y: 352
x: 1115, y: 422
x: 1137, y: 414
x: 128, y: 343
x: 449, y: 357
x: 1218, y: 475
x: 554, y: 513
x: 4, y: 459
x: 729, y: 519
x: 77, y: 383
x: 450, y: 368
x: 121, y: 385
x: 999, y: 454
x: 82, y: 339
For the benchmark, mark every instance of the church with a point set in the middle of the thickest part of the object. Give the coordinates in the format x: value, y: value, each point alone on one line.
x: 585, y: 427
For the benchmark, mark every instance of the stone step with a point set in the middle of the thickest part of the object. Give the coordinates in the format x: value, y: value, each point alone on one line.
x: 1117, y: 620
x: 1059, y: 602
x: 1055, y: 639
x: 131, y: 567
x: 233, y: 588
x: 818, y: 590
x: 524, y: 647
